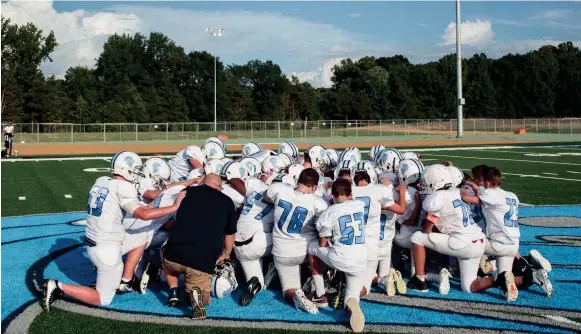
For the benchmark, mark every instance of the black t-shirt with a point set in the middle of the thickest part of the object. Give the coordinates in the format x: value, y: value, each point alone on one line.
x: 196, y: 239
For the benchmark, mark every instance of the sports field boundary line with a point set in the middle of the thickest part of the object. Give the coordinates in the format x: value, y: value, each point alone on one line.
x: 419, y: 149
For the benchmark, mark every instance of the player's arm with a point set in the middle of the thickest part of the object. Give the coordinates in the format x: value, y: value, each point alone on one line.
x: 185, y: 183
x: 473, y: 185
x: 151, y: 194
x: 238, y: 185
x: 412, y: 220
x: 230, y: 234
x: 399, y: 206
x: 432, y: 204
x: 132, y: 207
x: 323, y: 242
x: 429, y: 223
x: 195, y: 163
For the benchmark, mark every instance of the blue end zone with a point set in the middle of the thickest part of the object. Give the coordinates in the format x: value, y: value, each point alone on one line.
x: 26, y: 242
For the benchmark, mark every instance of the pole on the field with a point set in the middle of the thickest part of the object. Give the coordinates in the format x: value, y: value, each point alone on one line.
x: 459, y: 99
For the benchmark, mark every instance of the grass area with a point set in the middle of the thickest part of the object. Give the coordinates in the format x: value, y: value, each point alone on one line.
x: 550, y: 176
x: 63, y: 322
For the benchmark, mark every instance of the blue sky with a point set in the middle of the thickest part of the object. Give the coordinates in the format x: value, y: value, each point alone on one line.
x: 306, y: 38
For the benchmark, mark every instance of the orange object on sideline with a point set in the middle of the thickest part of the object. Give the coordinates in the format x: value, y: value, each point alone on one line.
x: 520, y: 131
x: 158, y: 155
x: 222, y: 137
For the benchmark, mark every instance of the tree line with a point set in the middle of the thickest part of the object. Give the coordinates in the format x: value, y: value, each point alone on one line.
x: 140, y: 78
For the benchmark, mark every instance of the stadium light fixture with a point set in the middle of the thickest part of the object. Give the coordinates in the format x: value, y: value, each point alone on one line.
x: 215, y: 32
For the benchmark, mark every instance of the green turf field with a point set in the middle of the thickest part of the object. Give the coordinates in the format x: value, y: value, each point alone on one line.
x: 537, y: 175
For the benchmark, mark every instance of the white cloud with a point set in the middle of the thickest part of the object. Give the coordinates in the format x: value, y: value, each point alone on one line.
x: 423, y: 25
x: 322, y: 76
x: 475, y: 33
x: 552, y: 14
x: 354, y: 15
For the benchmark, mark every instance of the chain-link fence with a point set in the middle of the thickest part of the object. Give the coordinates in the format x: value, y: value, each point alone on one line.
x: 258, y: 130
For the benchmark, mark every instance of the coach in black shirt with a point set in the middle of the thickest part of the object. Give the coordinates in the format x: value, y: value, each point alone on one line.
x: 202, y: 236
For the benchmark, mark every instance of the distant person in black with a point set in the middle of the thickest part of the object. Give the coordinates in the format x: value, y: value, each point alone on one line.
x: 202, y: 236
x: 8, y: 137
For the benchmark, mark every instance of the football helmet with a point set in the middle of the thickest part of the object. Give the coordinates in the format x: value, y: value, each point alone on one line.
x: 349, y: 154
x: 374, y: 152
x: 158, y: 171
x: 233, y: 170
x: 250, y: 149
x: 388, y: 159
x: 214, y: 166
x: 333, y: 157
x: 224, y: 280
x: 295, y: 170
x: 435, y: 177
x: 127, y: 165
x: 287, y: 159
x: 409, y: 171
x: 456, y: 176
x: 213, y: 150
x: 364, y: 166
x: 343, y: 165
x: 217, y: 141
x: 273, y: 164
x: 253, y: 166
x: 289, y: 148
x: 318, y: 156
x: 410, y: 155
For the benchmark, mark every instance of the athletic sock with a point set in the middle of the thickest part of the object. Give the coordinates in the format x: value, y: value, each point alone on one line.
x: 421, y: 277
x: 125, y: 280
x: 319, y: 285
x: 60, y: 285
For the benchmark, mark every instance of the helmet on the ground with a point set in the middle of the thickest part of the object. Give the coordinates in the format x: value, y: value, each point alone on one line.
x: 224, y: 280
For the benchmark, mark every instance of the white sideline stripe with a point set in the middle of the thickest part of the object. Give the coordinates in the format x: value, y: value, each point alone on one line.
x: 22, y: 198
x: 562, y: 319
x: 68, y: 196
x: 419, y: 149
x: 500, y: 159
x: 525, y: 204
x: 550, y: 173
x: 573, y: 172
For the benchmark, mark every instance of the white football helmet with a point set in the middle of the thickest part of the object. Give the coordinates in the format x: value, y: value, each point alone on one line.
x: 409, y: 171
x: 224, y: 280
x: 158, y: 171
x: 388, y: 160
x: 217, y: 141
x: 410, y: 155
x: 127, y: 165
x: 374, y: 152
x: 390, y: 176
x: 250, y: 149
x: 213, y: 151
x: 295, y: 170
x: 289, y: 148
x: 435, y: 177
x: 333, y: 157
x: 364, y: 166
x: 234, y: 170
x: 344, y: 165
x: 318, y: 156
x: 226, y: 159
x: 349, y: 154
x: 456, y: 176
x: 253, y: 166
x: 214, y: 166
x: 273, y: 164
x: 287, y: 159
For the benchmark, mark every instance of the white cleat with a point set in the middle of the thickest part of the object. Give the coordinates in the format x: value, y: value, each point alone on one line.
x: 357, y: 319
x: 388, y: 283
x: 540, y: 260
x: 144, y: 281
x: 511, y: 289
x: 541, y: 278
x: 444, y: 286
x: 303, y: 303
x: 400, y: 284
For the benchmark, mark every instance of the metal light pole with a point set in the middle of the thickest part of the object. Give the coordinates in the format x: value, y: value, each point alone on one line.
x: 215, y: 32
x: 459, y: 100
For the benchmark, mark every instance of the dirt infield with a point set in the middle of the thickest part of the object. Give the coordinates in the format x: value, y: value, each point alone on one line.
x: 25, y: 150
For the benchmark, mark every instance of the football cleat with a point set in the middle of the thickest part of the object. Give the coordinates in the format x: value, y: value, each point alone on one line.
x: 356, y: 319
x: 416, y: 284
x: 388, y: 283
x: 320, y: 302
x: 144, y: 281
x: 399, y: 282
x: 511, y: 292
x: 50, y: 292
x: 539, y: 260
x: 270, y: 275
x: 127, y: 287
x: 337, y: 300
x: 444, y: 286
x: 198, y: 308
x: 541, y: 278
x: 251, y: 290
x: 303, y: 303
x: 485, y: 265
x: 173, y: 298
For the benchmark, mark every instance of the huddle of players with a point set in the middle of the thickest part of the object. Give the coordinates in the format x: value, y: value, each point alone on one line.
x: 329, y: 209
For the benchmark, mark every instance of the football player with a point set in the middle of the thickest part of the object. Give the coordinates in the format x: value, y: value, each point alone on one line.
x: 296, y: 209
x: 342, y: 246
x: 109, y: 199
x: 184, y: 161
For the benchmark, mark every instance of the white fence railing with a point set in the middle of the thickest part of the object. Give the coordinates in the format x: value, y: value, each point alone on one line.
x: 116, y: 132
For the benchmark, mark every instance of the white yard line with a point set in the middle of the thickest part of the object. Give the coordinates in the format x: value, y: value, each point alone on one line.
x: 22, y: 198
x: 501, y: 159
x: 573, y: 172
x: 68, y: 196
x: 550, y: 173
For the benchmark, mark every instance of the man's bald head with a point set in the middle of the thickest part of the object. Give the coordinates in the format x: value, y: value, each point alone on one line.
x: 214, y: 181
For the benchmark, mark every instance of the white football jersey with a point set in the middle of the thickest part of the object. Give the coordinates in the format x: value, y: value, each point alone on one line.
x: 257, y: 214
x: 374, y: 197
x: 343, y: 224
x: 109, y: 200
x: 453, y: 214
x: 389, y: 218
x: 236, y: 197
x: 164, y: 199
x: 180, y: 164
x: 144, y: 185
x: 294, y: 215
x: 476, y: 209
x: 500, y: 208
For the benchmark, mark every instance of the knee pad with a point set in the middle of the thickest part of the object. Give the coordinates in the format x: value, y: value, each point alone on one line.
x: 417, y: 238
x: 106, y: 298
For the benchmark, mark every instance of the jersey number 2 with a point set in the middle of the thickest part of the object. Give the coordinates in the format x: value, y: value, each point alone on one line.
x: 299, y: 214
x: 97, y: 196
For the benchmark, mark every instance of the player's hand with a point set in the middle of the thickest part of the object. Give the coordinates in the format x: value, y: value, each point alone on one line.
x: 179, y: 199
x: 401, y: 188
x: 223, y: 258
